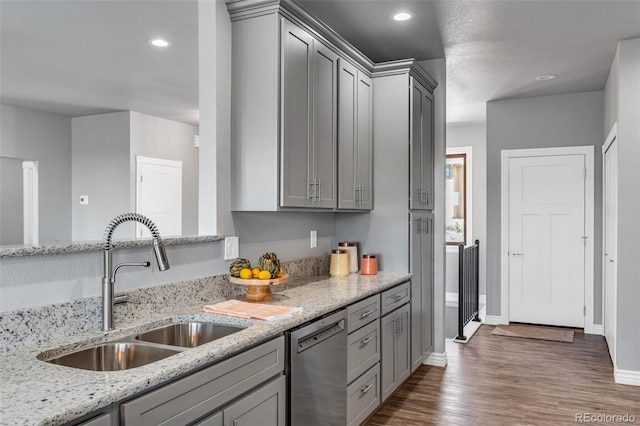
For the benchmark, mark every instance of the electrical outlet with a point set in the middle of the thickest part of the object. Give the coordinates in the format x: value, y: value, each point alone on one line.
x: 231, y: 248
x: 314, y: 239
x: 84, y: 200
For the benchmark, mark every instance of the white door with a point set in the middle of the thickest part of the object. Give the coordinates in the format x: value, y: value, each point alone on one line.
x: 610, y: 186
x: 546, y: 248
x: 159, y: 195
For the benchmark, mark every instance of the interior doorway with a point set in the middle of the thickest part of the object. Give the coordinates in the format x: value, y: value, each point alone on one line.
x: 547, y: 236
x: 159, y: 195
x: 610, y: 238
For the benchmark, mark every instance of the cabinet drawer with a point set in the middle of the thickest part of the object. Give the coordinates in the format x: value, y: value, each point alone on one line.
x: 194, y: 396
x: 364, y: 350
x: 363, y: 396
x: 363, y: 312
x: 395, y: 297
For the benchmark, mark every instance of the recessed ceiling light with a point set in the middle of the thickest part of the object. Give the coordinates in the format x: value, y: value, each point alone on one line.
x: 158, y: 42
x: 546, y: 77
x: 402, y: 16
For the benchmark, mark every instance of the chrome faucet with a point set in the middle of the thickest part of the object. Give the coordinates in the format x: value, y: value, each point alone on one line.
x: 109, y: 278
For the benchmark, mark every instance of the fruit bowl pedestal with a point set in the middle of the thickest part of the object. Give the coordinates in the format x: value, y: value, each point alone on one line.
x: 259, y: 290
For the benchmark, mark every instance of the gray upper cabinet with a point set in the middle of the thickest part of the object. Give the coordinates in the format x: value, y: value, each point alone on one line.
x: 422, y: 144
x: 355, y: 138
x: 309, y: 121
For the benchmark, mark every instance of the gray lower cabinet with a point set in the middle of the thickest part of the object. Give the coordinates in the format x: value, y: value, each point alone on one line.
x: 355, y: 138
x: 395, y: 365
x: 206, y: 392
x: 421, y: 286
x: 265, y: 406
x: 363, y: 359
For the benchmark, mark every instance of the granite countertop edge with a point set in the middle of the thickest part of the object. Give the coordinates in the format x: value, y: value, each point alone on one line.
x: 38, y: 393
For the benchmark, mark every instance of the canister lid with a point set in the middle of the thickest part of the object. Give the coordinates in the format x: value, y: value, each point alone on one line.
x: 347, y: 244
x: 338, y: 251
x: 368, y: 256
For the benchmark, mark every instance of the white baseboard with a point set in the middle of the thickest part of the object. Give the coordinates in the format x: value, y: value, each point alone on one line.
x: 436, y: 359
x: 595, y: 329
x: 451, y: 298
x: 626, y: 377
x: 495, y: 320
x: 469, y: 330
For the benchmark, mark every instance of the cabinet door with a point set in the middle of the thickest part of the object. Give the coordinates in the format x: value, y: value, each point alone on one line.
x: 264, y: 407
x: 403, y: 344
x: 347, y: 135
x: 417, y: 192
x: 325, y: 125
x: 417, y: 229
x: 427, y: 284
x: 355, y: 138
x: 387, y: 354
x: 296, y: 153
x: 364, y: 143
x: 427, y: 149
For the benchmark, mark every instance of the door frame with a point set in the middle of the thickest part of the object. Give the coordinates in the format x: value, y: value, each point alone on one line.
x: 588, y: 152
x: 610, y: 140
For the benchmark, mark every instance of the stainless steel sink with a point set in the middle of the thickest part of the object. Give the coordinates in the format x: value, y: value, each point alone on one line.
x: 188, y: 334
x: 113, y: 356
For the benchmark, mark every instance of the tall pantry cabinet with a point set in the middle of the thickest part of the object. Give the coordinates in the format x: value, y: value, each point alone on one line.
x: 404, y: 142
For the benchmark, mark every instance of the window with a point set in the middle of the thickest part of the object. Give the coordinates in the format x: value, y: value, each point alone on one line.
x: 456, y: 195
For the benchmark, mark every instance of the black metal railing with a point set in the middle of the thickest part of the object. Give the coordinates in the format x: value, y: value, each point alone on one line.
x: 468, y: 284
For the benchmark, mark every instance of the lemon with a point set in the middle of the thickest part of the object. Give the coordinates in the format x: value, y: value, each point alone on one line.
x: 245, y: 273
x: 264, y: 275
x: 255, y: 272
x: 280, y: 272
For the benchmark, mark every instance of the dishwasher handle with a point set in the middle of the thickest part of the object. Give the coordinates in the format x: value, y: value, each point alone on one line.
x: 309, y: 341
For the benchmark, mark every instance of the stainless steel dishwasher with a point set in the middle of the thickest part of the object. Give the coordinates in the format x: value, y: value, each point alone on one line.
x: 317, y: 373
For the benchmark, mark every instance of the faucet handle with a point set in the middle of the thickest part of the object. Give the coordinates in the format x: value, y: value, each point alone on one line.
x: 123, y: 298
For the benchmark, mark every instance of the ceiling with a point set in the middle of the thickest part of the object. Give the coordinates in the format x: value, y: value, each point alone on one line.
x: 87, y: 57
x: 493, y: 49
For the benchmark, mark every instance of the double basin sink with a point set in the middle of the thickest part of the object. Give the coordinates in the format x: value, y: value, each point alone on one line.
x: 144, y: 348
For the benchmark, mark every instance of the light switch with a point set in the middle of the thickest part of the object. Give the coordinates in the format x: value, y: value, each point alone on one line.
x: 231, y: 248
x: 314, y: 239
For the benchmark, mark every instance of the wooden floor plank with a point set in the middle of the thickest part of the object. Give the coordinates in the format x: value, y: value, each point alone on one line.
x: 498, y: 380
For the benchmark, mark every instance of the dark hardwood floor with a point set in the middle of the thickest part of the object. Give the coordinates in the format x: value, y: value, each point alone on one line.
x: 496, y: 380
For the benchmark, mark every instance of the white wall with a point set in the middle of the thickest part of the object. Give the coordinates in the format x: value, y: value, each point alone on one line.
x: 100, y: 170
x: 540, y: 122
x: 39, y: 280
x: 623, y: 106
x: 169, y: 140
x: 46, y: 138
x: 475, y: 136
x: 11, y: 203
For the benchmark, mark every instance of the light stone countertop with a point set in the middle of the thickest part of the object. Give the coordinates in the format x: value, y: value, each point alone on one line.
x: 33, y: 392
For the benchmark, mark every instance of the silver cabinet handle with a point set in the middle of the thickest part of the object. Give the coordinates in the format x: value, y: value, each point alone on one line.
x: 365, y: 341
x: 318, y: 190
x: 312, y: 189
x: 366, y: 314
x: 517, y: 254
x: 398, y: 297
x: 365, y: 389
x: 610, y: 260
x: 423, y: 196
x: 426, y: 192
x: 398, y: 328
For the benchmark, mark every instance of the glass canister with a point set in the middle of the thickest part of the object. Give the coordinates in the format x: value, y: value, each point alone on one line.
x: 339, y: 266
x: 369, y: 264
x: 352, y: 248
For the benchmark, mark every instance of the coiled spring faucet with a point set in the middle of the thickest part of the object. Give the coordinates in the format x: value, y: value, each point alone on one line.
x: 109, y: 277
